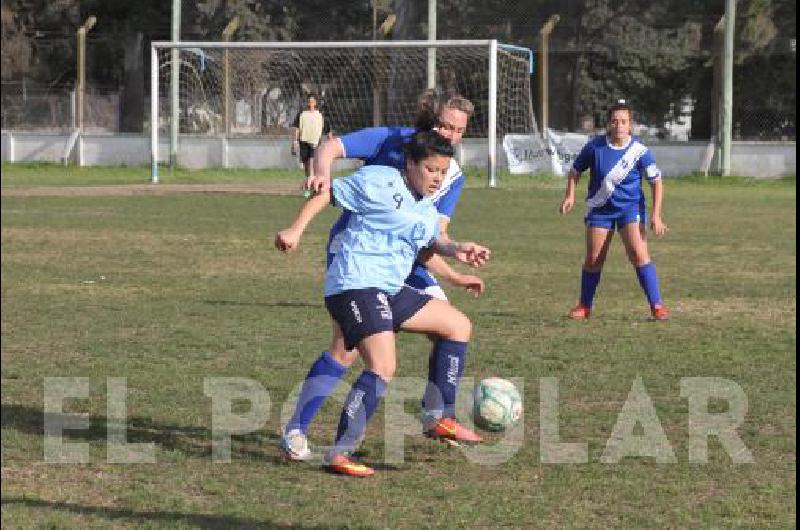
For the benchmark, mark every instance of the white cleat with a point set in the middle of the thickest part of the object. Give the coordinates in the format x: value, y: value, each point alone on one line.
x: 294, y: 445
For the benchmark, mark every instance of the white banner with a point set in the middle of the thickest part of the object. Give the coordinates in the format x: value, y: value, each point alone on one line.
x: 566, y: 146
x: 528, y: 153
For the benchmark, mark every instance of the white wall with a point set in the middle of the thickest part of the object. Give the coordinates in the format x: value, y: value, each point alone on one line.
x: 759, y: 159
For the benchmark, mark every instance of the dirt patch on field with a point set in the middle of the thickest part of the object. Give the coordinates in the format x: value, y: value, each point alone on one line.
x: 269, y: 188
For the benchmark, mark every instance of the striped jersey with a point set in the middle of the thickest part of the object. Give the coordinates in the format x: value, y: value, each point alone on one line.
x: 616, y: 172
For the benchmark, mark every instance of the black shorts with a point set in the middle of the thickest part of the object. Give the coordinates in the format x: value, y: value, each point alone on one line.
x: 306, y: 151
x: 361, y: 313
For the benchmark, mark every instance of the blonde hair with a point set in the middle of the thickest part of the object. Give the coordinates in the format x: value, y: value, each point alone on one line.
x: 432, y: 102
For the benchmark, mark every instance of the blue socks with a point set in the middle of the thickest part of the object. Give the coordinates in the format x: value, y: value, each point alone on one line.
x: 362, y: 401
x: 649, y: 282
x: 647, y: 279
x: 445, y: 368
x: 589, y: 281
x: 320, y: 382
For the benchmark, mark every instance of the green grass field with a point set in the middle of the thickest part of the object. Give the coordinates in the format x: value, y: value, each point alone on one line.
x: 169, y: 290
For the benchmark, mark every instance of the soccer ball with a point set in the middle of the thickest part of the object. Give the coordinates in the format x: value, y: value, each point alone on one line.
x: 497, y: 405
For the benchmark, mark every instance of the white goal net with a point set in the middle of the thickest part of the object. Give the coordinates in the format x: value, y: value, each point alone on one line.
x: 234, y: 90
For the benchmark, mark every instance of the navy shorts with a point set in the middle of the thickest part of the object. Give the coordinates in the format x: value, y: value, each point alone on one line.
x: 616, y: 218
x: 306, y: 151
x: 361, y: 313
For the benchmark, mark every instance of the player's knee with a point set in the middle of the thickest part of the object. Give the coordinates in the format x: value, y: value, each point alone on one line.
x: 594, y: 263
x: 385, y: 369
x: 638, y: 258
x: 461, y: 328
x: 343, y: 356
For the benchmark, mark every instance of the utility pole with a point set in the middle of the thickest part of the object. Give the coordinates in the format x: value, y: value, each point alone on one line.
x: 432, y: 38
x: 380, y: 60
x: 727, y: 86
x: 716, y: 108
x: 175, y: 84
x: 542, y: 71
x: 82, y: 31
x: 226, y: 36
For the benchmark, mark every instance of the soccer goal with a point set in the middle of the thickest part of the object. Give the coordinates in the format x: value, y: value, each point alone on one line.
x: 232, y: 90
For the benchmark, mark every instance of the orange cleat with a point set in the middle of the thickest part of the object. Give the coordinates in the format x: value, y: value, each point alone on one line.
x: 660, y: 312
x: 449, y: 430
x: 579, y: 312
x: 344, y: 466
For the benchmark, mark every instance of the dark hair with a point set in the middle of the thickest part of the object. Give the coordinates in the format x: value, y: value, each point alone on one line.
x: 619, y: 105
x: 427, y: 143
x: 430, y: 105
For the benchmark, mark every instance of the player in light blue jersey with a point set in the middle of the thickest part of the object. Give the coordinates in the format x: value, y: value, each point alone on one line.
x: 393, y: 223
x: 448, y: 115
x: 617, y: 162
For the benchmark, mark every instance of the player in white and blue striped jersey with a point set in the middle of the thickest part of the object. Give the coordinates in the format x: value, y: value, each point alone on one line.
x: 617, y: 162
x: 393, y: 223
x: 448, y: 115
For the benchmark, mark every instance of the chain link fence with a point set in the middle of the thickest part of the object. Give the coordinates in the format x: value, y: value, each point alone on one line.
x: 668, y: 74
x: 29, y: 107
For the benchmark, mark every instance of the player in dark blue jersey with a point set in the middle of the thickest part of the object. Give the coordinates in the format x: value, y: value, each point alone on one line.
x: 448, y: 115
x: 617, y: 163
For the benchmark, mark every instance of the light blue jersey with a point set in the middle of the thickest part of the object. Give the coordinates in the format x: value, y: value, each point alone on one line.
x: 616, y: 173
x: 386, y: 229
x: 384, y: 146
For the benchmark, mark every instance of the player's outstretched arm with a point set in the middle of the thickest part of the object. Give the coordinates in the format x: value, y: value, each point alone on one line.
x: 288, y: 239
x: 656, y: 224
x: 468, y: 252
x: 328, y: 151
x: 441, y: 269
x: 569, y: 193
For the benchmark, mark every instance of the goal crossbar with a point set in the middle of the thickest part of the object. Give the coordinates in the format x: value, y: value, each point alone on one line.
x: 325, y: 44
x: 491, y: 80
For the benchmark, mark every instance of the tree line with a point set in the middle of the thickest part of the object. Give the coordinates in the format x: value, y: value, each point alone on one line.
x: 655, y: 53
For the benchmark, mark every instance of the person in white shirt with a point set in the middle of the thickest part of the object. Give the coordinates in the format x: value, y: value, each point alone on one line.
x: 309, y: 127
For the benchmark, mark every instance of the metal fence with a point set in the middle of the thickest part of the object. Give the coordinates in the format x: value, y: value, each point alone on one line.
x: 764, y: 105
x: 29, y: 107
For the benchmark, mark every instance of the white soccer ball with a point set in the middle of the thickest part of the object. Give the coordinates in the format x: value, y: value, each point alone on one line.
x: 497, y: 404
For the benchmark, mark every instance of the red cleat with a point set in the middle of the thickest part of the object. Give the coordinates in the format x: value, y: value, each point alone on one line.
x: 344, y: 466
x: 660, y: 312
x: 449, y: 430
x: 579, y: 312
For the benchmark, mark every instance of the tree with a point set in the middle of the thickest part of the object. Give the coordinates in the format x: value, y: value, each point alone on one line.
x: 17, y: 46
x: 37, y: 33
x: 765, y: 70
x: 115, y: 51
x: 268, y: 20
x: 625, y: 52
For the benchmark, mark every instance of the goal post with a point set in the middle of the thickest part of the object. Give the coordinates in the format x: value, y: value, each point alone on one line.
x: 360, y: 84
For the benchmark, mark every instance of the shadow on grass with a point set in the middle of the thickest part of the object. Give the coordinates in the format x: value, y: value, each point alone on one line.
x: 238, y: 303
x: 191, y: 441
x: 263, y: 304
x: 199, y: 520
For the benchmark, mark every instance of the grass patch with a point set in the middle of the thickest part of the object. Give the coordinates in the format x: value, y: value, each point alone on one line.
x: 45, y: 174
x: 167, y: 291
